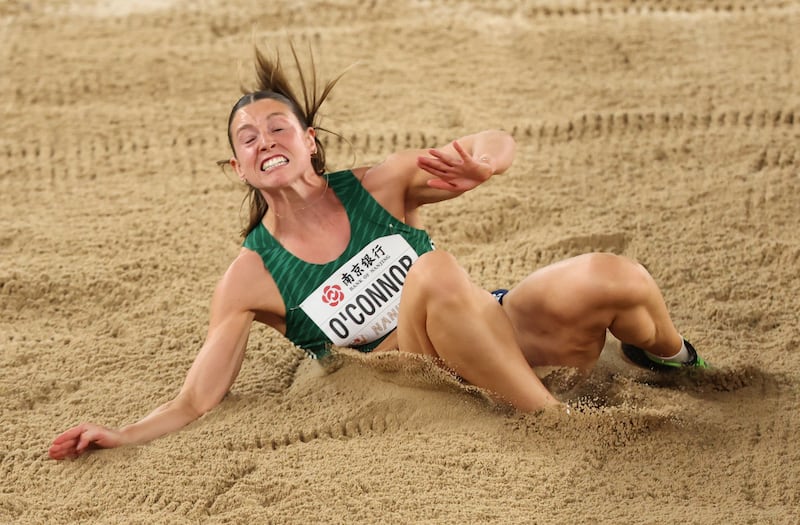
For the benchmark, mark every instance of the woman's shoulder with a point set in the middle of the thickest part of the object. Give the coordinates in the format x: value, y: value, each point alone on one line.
x: 248, y: 285
x: 395, y: 165
x: 389, y: 180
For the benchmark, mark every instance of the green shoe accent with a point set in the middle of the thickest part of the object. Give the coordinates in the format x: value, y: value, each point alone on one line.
x: 638, y: 357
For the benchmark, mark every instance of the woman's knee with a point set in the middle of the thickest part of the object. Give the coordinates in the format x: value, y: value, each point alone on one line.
x: 431, y: 268
x: 437, y: 274
x: 615, y: 278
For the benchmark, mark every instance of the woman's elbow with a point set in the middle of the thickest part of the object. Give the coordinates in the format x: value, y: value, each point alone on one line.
x: 198, y: 405
x: 506, y: 149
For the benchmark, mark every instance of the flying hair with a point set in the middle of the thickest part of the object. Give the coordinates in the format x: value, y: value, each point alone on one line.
x: 272, y: 82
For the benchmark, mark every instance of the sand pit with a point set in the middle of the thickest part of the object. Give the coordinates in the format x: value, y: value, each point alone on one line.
x: 666, y: 131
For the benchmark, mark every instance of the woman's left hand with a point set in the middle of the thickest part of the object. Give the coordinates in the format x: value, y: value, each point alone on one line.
x: 455, y: 174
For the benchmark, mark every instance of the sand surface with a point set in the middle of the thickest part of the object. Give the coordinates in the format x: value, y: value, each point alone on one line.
x: 667, y: 131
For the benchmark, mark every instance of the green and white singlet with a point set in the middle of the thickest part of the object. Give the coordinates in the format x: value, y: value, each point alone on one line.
x: 352, y: 301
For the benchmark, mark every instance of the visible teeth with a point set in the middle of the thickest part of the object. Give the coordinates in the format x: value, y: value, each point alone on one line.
x: 273, y: 162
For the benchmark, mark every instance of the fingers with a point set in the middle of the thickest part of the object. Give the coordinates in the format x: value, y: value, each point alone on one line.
x: 457, y: 174
x: 435, y: 168
x: 65, y: 449
x: 60, y: 451
x: 64, y: 444
x: 463, y: 154
x: 443, y: 159
x: 446, y: 161
x: 442, y: 180
x: 441, y: 166
x: 75, y: 441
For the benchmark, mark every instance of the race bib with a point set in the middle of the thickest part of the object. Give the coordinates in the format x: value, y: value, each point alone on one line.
x: 360, y: 301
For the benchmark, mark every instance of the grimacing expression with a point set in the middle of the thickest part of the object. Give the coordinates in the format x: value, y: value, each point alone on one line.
x: 267, y: 137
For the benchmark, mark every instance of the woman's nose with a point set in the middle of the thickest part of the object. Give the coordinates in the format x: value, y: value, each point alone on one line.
x: 267, y: 142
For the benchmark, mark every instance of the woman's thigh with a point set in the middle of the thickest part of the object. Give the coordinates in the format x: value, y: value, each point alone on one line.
x: 561, y: 312
x: 437, y: 295
x: 444, y: 314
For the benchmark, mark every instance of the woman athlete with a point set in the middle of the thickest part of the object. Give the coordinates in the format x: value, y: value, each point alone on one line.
x: 326, y: 256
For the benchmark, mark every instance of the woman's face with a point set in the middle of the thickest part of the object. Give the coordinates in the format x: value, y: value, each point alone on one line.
x: 271, y: 147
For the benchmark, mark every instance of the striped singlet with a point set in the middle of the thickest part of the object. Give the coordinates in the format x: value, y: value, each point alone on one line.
x: 353, y: 300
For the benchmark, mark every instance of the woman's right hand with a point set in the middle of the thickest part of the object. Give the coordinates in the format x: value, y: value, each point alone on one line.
x: 83, y: 437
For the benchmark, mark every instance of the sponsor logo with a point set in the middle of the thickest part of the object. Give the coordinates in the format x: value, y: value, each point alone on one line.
x: 332, y: 295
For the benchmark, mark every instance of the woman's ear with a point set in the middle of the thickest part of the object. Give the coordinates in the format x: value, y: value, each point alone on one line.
x: 311, y: 134
x: 237, y: 168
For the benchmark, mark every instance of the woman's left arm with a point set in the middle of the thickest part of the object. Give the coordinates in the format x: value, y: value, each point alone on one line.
x: 406, y: 180
x: 460, y: 166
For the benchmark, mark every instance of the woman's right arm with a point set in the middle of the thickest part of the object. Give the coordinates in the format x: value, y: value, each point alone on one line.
x: 210, y: 377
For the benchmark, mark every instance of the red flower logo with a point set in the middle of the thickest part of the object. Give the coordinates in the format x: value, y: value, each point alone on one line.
x: 332, y: 295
